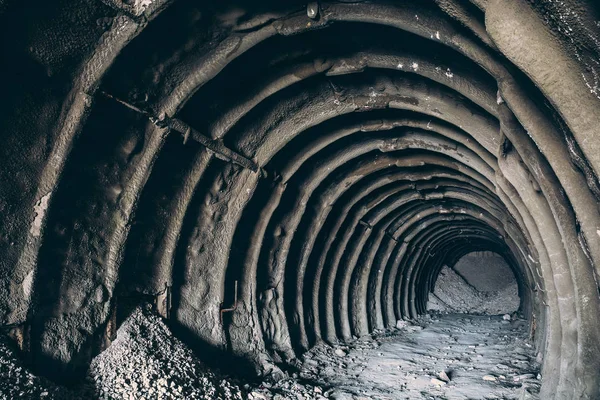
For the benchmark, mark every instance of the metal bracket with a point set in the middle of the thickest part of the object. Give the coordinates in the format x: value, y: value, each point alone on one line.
x: 312, y: 10
x: 365, y: 224
x: 390, y: 236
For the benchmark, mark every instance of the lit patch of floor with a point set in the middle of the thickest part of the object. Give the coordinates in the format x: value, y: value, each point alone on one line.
x: 481, y: 357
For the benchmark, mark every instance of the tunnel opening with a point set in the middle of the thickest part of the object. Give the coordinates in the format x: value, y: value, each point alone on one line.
x: 282, y: 186
x: 479, y: 282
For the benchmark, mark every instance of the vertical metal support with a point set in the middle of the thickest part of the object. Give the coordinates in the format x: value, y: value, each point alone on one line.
x: 234, y: 306
x: 162, y: 303
x: 110, y: 330
x: 169, y: 301
x: 21, y: 336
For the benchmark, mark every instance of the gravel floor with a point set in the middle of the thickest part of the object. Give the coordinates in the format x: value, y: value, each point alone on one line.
x: 449, y: 357
x: 147, y: 362
x: 144, y: 362
x: 445, y: 357
x: 16, y: 382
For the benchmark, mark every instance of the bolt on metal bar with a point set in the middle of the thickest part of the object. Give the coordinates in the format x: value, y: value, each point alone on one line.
x: 216, y: 146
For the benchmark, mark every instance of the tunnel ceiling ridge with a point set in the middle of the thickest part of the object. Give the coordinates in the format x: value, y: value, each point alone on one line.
x: 275, y: 174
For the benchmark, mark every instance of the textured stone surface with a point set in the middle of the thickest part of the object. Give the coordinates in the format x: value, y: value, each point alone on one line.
x: 271, y: 176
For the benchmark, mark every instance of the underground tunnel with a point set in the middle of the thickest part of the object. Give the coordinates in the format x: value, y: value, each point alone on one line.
x: 282, y: 198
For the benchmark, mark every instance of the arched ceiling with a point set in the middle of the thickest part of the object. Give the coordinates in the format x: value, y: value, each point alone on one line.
x: 278, y: 173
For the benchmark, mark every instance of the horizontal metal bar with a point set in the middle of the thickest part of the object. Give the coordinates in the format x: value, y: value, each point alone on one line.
x: 216, y: 146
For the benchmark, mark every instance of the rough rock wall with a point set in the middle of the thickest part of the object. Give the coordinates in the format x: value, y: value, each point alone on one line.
x: 273, y: 174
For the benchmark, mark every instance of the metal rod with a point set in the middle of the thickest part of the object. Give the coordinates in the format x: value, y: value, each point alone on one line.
x: 233, y: 307
x: 216, y: 146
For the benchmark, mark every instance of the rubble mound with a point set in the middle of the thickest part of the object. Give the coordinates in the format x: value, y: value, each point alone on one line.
x: 146, y: 361
x: 17, y: 382
x: 454, y: 294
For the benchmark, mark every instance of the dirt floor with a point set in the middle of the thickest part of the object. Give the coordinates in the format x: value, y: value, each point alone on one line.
x: 451, y: 356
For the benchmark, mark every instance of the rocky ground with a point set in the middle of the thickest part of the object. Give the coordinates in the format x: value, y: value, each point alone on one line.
x: 144, y: 362
x: 16, y: 382
x: 438, y: 357
x: 147, y: 362
x: 441, y: 357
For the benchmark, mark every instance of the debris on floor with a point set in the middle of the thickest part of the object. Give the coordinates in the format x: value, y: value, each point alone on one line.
x: 17, y: 382
x: 147, y: 362
x: 144, y: 362
x: 288, y: 389
x: 447, y: 357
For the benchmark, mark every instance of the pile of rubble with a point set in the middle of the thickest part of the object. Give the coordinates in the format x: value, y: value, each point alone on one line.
x: 440, y: 356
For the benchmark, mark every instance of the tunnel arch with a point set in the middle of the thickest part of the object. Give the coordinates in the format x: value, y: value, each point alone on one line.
x: 325, y: 167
